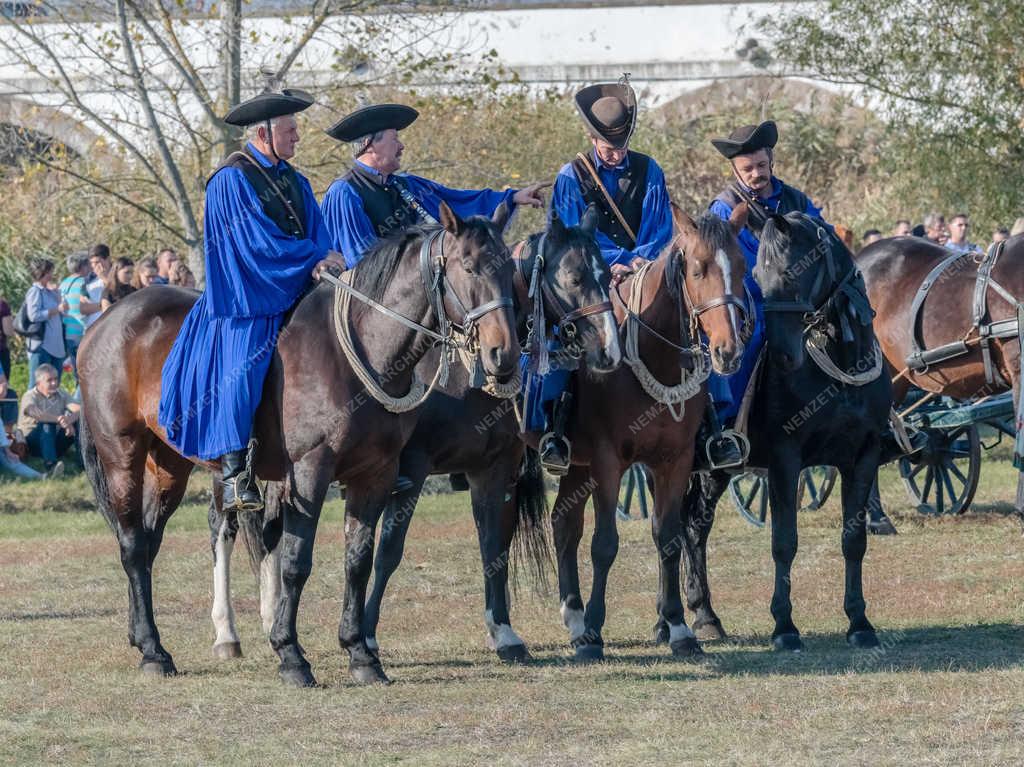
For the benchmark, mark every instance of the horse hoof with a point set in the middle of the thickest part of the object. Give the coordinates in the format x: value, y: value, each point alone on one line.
x: 787, y: 643
x: 514, y: 653
x: 687, y: 647
x: 884, y: 526
x: 157, y: 667
x: 660, y: 633
x: 710, y: 632
x: 589, y: 653
x: 297, y: 676
x: 372, y: 673
x: 227, y: 650
x: 863, y: 640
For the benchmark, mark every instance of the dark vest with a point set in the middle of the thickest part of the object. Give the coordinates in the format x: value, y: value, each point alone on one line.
x: 629, y: 197
x: 791, y: 199
x: 384, y: 205
x: 282, y: 182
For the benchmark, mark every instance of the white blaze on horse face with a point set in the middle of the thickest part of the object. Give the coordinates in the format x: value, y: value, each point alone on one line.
x: 223, y: 614
x: 573, y: 620
x: 725, y: 264
x: 270, y: 588
x: 500, y: 636
x: 610, y: 336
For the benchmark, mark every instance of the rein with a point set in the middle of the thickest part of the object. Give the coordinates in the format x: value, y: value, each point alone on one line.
x: 436, y: 286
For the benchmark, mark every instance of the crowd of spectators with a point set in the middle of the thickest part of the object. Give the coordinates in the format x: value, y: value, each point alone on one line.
x: 954, y: 235
x: 55, y: 315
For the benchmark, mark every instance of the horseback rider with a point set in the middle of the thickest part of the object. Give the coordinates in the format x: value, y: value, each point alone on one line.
x: 264, y: 238
x: 373, y: 200
x: 750, y: 151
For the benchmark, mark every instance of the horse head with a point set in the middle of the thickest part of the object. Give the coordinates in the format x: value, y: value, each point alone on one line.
x: 799, y: 262
x: 575, y: 280
x: 478, y: 290
x: 711, y: 268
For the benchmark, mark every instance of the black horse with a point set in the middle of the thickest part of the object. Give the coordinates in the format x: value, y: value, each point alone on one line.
x: 801, y: 415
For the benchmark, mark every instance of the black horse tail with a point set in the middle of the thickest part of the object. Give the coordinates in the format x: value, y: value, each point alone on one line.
x: 94, y: 471
x: 531, y: 546
x: 261, y: 530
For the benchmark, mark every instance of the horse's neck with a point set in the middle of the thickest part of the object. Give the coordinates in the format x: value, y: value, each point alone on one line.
x: 523, y: 259
x: 660, y: 312
x: 388, y: 347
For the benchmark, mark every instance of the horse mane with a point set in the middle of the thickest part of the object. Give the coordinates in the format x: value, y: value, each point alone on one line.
x: 377, y: 268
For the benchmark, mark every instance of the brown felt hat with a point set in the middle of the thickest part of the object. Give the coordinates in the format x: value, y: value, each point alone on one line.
x: 609, y: 111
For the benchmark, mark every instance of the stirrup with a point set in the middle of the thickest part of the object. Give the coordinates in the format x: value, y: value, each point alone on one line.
x: 730, y: 435
x: 238, y: 503
x: 555, y: 469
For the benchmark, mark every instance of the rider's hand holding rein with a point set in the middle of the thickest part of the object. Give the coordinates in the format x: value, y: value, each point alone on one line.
x: 531, y: 195
x: 334, y: 263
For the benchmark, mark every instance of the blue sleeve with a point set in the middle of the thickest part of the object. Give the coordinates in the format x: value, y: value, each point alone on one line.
x: 37, y: 311
x: 567, y: 202
x: 349, y: 228
x: 656, y: 221
x: 720, y: 209
x: 465, y: 202
x: 253, y: 269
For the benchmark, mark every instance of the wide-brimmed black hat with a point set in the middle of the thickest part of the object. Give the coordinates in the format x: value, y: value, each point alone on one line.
x: 748, y: 139
x: 269, y: 105
x: 609, y: 111
x: 368, y: 120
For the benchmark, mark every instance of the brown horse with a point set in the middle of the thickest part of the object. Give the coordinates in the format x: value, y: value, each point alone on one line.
x: 315, y: 424
x: 696, y: 281
x: 893, y: 271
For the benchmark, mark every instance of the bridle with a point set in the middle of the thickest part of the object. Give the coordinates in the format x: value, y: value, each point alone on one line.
x: 544, y: 301
x: 458, y: 334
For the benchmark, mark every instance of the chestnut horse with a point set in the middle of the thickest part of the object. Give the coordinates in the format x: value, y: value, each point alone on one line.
x: 803, y: 416
x: 467, y: 430
x: 893, y: 271
x: 315, y: 424
x: 696, y: 282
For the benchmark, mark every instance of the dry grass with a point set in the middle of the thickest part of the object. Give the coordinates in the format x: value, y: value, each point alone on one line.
x: 947, y: 687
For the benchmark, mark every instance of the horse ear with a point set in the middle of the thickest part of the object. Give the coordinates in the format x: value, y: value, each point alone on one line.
x: 781, y: 223
x: 589, y: 220
x: 449, y: 220
x: 682, y: 224
x: 556, y: 229
x: 500, y: 217
x: 738, y: 218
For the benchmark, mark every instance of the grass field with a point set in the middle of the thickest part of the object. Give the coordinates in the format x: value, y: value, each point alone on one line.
x: 947, y: 687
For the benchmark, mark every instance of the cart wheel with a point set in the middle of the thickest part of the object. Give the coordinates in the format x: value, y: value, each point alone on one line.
x: 943, y: 477
x: 634, y: 482
x: 749, y: 493
x: 816, y: 484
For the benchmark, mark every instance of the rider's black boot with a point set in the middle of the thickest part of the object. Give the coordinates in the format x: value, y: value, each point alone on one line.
x: 240, y: 490
x: 718, y: 448
x: 555, y: 448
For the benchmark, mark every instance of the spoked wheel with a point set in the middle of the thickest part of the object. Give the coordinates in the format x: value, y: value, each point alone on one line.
x: 943, y: 477
x: 749, y: 493
x: 816, y: 485
x: 634, y: 482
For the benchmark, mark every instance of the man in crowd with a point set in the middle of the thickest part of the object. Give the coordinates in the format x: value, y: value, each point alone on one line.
x: 74, y: 291
x: 870, y: 236
x: 373, y: 199
x: 935, y: 228
x: 958, y: 242
x: 166, y: 258
x: 903, y: 228
x: 48, y: 418
x: 264, y: 239
x: 99, y: 262
x: 1000, y: 235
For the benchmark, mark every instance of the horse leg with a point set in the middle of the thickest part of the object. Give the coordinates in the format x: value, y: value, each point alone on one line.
x: 265, y: 562
x: 782, y: 485
x: 567, y: 530
x: 223, y: 531
x: 670, y: 538
x: 496, y: 524
x: 604, y: 547
x: 364, y: 504
x: 393, y: 529
x: 698, y: 519
x: 300, y: 512
x: 858, y: 482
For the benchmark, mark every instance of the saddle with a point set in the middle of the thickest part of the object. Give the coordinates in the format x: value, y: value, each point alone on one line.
x: 920, y: 358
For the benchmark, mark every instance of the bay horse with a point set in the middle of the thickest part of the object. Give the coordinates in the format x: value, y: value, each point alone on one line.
x: 650, y: 412
x: 465, y: 429
x: 316, y: 422
x: 803, y: 416
x: 893, y: 271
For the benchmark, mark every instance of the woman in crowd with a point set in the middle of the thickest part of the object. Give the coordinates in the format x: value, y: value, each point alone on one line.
x: 119, y: 282
x: 180, y: 274
x: 45, y: 305
x: 146, y: 271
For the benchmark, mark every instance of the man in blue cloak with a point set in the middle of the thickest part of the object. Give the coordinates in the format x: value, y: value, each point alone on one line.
x: 264, y: 240
x: 372, y: 199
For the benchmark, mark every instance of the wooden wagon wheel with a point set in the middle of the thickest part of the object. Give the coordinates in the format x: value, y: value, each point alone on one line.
x: 943, y: 478
x: 749, y: 492
x: 816, y: 485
